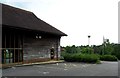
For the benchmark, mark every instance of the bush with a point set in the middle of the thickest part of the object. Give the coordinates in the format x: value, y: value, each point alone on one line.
x: 89, y: 58
x: 71, y: 49
x: 108, y: 58
x: 70, y: 57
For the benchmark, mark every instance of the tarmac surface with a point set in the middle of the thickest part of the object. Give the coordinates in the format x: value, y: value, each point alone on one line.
x: 64, y: 69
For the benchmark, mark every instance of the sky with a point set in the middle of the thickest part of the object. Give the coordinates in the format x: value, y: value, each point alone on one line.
x: 76, y: 18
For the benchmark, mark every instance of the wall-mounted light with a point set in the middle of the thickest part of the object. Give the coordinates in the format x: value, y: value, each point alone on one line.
x: 38, y: 36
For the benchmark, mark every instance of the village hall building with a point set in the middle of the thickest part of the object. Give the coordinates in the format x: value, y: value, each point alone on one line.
x: 26, y: 38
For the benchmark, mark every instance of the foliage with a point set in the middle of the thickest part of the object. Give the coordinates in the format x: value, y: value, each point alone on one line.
x: 87, y: 50
x: 97, y: 49
x: 107, y: 51
x: 71, y: 49
x: 108, y: 58
x: 89, y: 58
x: 116, y: 51
x: 82, y: 49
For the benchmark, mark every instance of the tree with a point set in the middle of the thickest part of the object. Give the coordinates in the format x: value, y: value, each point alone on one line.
x: 71, y: 49
x: 98, y: 49
x: 116, y: 50
x: 107, y: 47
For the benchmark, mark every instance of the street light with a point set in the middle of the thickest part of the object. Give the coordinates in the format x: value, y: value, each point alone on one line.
x: 89, y: 40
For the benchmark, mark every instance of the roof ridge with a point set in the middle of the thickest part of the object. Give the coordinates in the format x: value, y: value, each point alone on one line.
x: 16, y: 8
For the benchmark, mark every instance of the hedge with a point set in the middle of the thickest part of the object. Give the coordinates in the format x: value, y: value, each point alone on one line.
x: 89, y: 58
x: 108, y: 58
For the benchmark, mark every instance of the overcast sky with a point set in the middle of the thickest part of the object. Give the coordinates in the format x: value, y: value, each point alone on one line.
x: 76, y: 18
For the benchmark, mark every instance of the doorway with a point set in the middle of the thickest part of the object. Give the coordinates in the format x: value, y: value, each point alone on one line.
x: 52, y: 52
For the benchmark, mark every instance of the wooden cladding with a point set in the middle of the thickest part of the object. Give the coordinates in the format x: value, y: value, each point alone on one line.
x: 19, y: 46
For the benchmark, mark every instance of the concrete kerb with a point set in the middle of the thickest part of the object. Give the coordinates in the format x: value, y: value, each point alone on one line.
x: 38, y: 63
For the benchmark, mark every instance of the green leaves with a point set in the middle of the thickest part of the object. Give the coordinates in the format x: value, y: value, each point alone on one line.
x: 109, y: 52
x: 108, y: 58
x: 89, y: 58
x: 71, y: 49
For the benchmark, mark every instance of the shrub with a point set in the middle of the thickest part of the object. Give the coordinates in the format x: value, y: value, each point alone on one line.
x: 108, y: 58
x: 70, y: 57
x: 71, y: 49
x: 89, y: 58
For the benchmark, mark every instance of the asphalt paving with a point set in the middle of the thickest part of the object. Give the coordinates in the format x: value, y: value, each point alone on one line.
x: 65, y: 69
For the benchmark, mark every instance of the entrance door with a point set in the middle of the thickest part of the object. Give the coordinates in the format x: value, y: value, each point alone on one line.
x: 52, y: 53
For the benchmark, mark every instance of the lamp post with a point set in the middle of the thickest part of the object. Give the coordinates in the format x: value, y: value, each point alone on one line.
x: 89, y: 40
